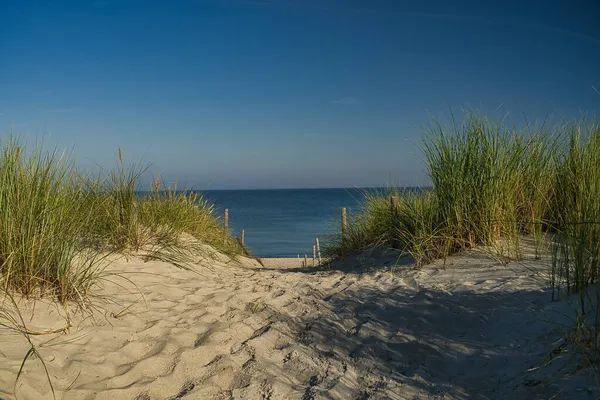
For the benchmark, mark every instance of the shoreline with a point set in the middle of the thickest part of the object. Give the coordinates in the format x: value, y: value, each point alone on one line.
x: 283, y: 262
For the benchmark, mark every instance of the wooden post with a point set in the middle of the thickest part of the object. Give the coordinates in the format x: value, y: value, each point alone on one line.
x: 318, y: 250
x: 305, y: 261
x: 344, y: 224
x: 226, y: 224
x: 243, y: 237
x: 394, y: 202
x: 314, y: 254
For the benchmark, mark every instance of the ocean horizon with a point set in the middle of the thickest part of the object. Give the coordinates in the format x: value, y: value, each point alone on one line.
x: 285, y: 222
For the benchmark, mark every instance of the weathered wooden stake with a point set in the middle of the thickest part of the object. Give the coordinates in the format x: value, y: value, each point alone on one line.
x: 314, y: 254
x: 344, y: 223
x: 305, y: 261
x: 243, y: 237
x: 226, y: 224
x: 344, y: 227
x: 318, y: 250
x: 394, y: 202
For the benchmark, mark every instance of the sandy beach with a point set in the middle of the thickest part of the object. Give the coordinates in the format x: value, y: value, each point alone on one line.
x: 430, y: 172
x: 372, y: 327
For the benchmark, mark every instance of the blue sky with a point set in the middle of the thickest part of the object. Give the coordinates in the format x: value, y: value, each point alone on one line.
x: 266, y: 93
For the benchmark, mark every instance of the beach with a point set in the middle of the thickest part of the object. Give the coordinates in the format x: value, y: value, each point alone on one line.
x: 370, y: 327
x: 299, y: 200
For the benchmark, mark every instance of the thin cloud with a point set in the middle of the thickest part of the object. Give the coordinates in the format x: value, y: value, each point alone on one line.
x: 346, y: 101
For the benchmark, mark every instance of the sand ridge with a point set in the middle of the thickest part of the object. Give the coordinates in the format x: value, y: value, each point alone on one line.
x: 372, y: 327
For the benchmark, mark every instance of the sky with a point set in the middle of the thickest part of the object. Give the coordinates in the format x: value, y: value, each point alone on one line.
x: 232, y: 94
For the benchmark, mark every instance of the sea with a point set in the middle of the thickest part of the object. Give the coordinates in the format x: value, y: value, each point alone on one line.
x: 285, y: 222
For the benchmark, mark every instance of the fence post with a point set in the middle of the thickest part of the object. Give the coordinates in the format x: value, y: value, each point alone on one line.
x: 226, y: 224
x: 243, y: 237
x: 318, y: 250
x: 394, y: 202
x: 344, y: 224
x: 314, y: 254
x: 305, y: 261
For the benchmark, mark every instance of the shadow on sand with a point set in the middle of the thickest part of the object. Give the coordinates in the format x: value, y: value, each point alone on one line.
x: 403, y: 343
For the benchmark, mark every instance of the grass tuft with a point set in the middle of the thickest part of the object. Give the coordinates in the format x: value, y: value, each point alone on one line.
x: 57, y: 226
x: 491, y: 186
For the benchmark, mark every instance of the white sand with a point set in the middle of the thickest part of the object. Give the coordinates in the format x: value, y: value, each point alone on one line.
x: 368, y: 330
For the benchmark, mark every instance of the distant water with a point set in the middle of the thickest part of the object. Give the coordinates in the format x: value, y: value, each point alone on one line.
x: 285, y: 222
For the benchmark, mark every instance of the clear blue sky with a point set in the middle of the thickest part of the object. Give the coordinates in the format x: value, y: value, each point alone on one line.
x: 298, y: 93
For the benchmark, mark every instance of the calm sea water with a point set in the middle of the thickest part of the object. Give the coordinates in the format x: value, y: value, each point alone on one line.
x: 285, y: 223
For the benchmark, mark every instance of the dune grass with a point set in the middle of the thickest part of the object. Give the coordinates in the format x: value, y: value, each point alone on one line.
x: 56, y: 226
x: 370, y: 228
x: 489, y: 182
x: 42, y: 214
x: 491, y: 186
x: 576, y: 244
x: 171, y: 217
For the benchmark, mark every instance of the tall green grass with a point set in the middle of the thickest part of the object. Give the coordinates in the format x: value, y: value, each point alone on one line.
x: 372, y: 227
x: 576, y: 244
x: 576, y: 213
x: 115, y: 225
x: 43, y: 213
x: 491, y: 185
x: 170, y: 218
x: 56, y: 226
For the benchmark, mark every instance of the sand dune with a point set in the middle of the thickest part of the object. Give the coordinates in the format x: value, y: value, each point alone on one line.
x: 372, y: 327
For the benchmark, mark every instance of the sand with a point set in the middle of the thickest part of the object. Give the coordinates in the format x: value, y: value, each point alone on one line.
x: 372, y: 327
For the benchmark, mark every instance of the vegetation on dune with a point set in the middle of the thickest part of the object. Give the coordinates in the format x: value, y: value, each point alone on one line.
x: 171, y: 217
x: 492, y: 185
x: 57, y: 226
x: 43, y: 210
x: 368, y: 229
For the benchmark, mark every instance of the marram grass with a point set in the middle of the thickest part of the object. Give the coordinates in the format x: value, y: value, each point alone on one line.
x: 491, y: 185
x: 56, y: 226
x: 42, y: 214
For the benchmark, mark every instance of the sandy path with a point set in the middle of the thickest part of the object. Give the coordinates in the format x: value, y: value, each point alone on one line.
x: 254, y: 332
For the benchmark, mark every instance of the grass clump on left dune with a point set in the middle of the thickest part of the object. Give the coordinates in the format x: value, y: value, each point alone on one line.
x: 57, y: 225
x: 172, y: 217
x: 44, y: 214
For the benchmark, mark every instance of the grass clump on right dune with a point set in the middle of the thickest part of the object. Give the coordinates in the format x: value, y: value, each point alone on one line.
x: 491, y: 185
x: 576, y: 244
x: 370, y: 228
x: 576, y: 212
